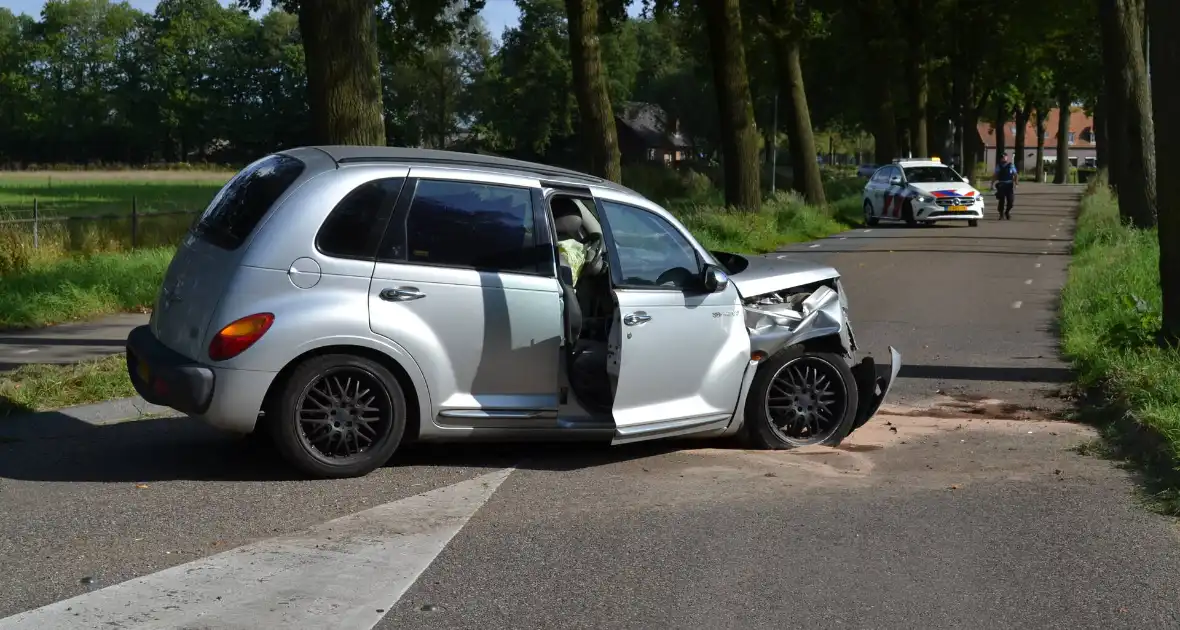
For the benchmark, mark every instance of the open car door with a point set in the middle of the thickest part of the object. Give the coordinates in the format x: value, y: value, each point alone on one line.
x: 677, y: 352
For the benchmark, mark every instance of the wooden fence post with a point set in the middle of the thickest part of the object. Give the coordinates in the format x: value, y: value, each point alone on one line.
x: 36, y: 218
x: 134, y: 222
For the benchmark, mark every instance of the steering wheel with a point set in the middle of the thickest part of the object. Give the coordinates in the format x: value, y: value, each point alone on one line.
x: 676, y: 276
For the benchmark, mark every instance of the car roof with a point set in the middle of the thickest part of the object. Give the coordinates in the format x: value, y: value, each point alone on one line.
x: 550, y: 175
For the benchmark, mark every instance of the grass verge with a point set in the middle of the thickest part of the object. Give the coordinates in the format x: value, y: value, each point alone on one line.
x: 56, y: 291
x: 1109, y: 316
x: 42, y: 387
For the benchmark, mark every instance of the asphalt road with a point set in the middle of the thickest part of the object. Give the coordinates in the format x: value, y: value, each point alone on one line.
x: 962, y: 507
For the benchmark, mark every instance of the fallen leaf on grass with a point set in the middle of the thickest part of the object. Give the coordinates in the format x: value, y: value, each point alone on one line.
x: 141, y: 486
x: 954, y: 486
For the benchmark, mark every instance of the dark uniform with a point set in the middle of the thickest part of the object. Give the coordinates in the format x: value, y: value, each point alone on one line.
x: 1005, y: 179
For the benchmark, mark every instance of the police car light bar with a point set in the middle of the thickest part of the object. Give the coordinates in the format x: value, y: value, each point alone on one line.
x: 934, y: 158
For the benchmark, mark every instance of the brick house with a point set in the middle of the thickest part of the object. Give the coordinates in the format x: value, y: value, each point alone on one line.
x: 647, y: 134
x: 1082, y: 148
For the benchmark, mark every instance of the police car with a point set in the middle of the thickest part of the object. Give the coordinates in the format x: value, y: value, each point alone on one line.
x: 920, y: 191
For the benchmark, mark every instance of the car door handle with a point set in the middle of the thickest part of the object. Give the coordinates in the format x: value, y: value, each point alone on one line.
x: 637, y: 318
x: 401, y: 294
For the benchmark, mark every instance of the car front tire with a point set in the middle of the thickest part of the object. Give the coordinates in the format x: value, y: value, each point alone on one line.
x: 801, y: 397
x: 973, y: 223
x: 870, y: 220
x: 339, y: 415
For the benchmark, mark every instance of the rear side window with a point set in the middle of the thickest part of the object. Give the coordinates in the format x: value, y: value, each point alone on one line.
x: 353, y: 228
x: 480, y: 226
x: 240, y: 205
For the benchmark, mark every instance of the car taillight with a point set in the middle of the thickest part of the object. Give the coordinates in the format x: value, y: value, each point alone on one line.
x: 239, y: 335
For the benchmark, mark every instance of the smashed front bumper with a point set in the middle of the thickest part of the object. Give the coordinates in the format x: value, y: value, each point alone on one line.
x: 873, y: 383
x: 794, y: 316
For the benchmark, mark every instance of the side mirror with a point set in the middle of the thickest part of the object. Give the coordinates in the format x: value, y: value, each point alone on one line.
x: 714, y: 279
x: 895, y: 180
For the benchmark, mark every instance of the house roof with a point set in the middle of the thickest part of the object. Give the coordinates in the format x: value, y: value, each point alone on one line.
x: 650, y: 122
x: 1080, y: 124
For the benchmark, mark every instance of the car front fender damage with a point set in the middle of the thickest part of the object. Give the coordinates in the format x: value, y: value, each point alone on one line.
x: 802, y: 314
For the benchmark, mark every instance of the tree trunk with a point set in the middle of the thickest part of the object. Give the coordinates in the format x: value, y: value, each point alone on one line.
x: 594, y: 108
x: 1136, y: 192
x: 919, y: 88
x: 1061, y: 173
x: 1022, y: 115
x: 885, y: 131
x: 1002, y: 113
x: 343, y: 75
x: 805, y: 170
x: 1042, y: 120
x: 1165, y: 64
x: 1113, y: 93
x: 739, y: 136
x: 1100, y: 135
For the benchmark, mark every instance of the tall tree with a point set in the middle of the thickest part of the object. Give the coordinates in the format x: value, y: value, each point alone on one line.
x: 1023, y: 113
x: 1137, y: 181
x: 1064, y: 113
x: 343, y: 76
x: 1113, y: 92
x: 786, y: 23
x: 739, y: 135
x: 1042, y: 122
x: 590, y: 85
x: 917, y: 75
x: 1164, y: 16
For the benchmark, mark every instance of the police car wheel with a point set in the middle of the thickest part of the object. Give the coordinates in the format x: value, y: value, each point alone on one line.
x: 973, y: 223
x: 870, y: 220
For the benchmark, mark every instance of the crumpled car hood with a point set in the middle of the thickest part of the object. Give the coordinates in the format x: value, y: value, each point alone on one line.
x: 758, y: 275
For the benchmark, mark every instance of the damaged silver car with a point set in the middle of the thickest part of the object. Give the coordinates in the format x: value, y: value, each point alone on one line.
x: 343, y: 301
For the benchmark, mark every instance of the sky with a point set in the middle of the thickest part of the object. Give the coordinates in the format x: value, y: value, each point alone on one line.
x: 497, y: 14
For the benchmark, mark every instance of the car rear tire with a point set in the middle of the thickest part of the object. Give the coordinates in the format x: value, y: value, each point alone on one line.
x: 973, y: 223
x: 339, y: 415
x: 870, y: 220
x: 799, y: 398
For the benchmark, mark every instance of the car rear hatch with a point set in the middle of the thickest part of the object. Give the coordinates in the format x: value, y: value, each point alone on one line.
x: 205, y: 261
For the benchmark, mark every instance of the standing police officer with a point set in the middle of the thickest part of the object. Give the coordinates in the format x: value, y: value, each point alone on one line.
x: 1004, y: 183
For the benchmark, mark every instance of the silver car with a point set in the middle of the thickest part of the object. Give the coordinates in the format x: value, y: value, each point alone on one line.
x: 343, y: 301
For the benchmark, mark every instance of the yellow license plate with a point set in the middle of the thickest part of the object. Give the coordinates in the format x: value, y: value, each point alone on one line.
x: 144, y: 372
x: 958, y: 208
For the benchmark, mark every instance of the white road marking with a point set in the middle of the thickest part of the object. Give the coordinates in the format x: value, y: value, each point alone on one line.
x: 27, y: 351
x: 867, y: 231
x: 843, y: 238
x: 1038, y: 265
x: 334, y: 575
x: 1044, y: 253
x: 813, y: 245
x: 1017, y: 304
x: 1028, y: 281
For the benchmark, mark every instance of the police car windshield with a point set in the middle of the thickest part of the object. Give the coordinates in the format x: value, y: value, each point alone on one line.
x: 930, y: 174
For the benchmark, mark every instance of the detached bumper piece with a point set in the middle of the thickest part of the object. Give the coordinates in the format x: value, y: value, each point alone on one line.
x: 873, y: 384
x: 165, y: 377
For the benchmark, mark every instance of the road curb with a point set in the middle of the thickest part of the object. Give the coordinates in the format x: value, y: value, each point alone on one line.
x: 76, y: 420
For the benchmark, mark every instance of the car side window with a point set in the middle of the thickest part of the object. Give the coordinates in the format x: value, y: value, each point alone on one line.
x: 467, y: 224
x: 353, y: 228
x: 651, y: 252
x: 881, y: 176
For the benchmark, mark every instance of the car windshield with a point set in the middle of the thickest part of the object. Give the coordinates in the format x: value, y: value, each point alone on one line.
x: 931, y: 174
